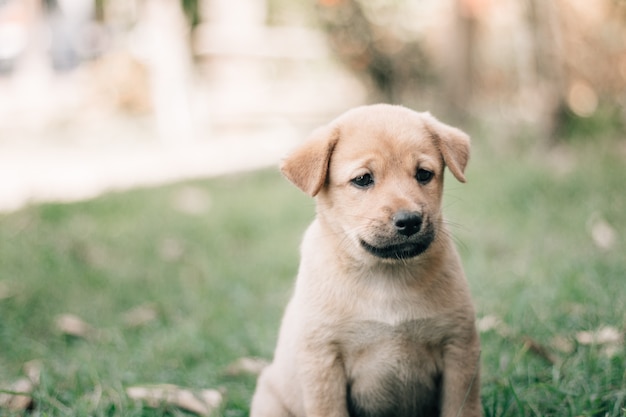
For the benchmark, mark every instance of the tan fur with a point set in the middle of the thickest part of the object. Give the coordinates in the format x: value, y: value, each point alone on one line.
x: 381, y: 322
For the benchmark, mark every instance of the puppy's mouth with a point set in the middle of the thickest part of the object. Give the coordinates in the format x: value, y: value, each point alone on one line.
x: 403, y: 250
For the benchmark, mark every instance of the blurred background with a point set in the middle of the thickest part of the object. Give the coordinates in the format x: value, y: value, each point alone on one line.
x: 109, y: 94
x: 177, y: 277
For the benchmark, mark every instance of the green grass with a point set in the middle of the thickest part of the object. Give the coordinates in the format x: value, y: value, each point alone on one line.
x: 522, y: 225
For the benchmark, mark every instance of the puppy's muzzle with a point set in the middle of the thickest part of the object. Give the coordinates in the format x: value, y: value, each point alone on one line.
x: 407, y: 223
x: 408, y: 235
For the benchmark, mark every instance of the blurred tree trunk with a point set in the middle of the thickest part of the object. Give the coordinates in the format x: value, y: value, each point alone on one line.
x: 167, y: 49
x: 543, y: 19
x: 461, y: 68
x: 192, y: 11
x: 394, y: 67
x: 352, y: 37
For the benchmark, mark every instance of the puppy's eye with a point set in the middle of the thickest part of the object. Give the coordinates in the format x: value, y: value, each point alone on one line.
x: 363, y: 181
x: 424, y: 176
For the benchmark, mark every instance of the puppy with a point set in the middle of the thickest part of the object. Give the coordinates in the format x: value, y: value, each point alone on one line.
x: 381, y: 322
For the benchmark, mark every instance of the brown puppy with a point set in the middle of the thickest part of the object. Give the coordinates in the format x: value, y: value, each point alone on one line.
x: 380, y: 322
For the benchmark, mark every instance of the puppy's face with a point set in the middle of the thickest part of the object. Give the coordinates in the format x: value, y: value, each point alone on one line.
x: 377, y: 172
x: 383, y: 190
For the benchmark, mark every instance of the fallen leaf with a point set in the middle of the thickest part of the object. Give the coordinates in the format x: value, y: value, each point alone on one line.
x: 72, y: 325
x: 192, y: 200
x: 171, y: 249
x: 140, y: 315
x: 17, y: 396
x: 91, y: 253
x: 32, y: 369
x: 492, y: 323
x: 608, y: 337
x: 611, y: 350
x: 252, y: 366
x: 5, y: 291
x: 203, y: 403
x: 487, y: 323
x: 538, y: 349
x: 562, y: 344
x: 602, y: 336
x: 603, y: 234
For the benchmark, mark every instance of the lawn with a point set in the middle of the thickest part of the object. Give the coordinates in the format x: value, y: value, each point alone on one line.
x: 541, y: 233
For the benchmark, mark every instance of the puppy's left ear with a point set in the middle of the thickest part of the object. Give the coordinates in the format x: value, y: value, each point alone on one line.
x: 454, y: 145
x: 307, y: 166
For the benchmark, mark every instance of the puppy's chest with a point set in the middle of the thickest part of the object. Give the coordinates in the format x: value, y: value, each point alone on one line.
x: 406, y: 342
x: 392, y: 369
x: 391, y: 305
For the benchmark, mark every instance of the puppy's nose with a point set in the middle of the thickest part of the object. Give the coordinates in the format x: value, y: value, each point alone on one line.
x: 407, y: 223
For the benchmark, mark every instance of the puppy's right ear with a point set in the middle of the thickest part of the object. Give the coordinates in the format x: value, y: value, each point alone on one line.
x: 453, y: 143
x: 307, y: 166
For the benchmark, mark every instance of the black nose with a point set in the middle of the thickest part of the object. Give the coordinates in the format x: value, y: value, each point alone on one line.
x: 407, y: 223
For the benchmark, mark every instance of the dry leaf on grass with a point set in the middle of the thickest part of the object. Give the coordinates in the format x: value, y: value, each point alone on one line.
x: 608, y: 337
x: 492, y: 323
x: 5, y: 291
x: 72, y: 325
x: 203, y: 402
x: 562, y: 344
x: 93, y: 254
x: 140, y: 315
x: 538, y: 349
x: 603, y: 234
x: 192, y: 200
x: 602, y: 336
x: 171, y: 249
x: 487, y: 323
x: 252, y: 366
x: 32, y: 369
x: 17, y: 396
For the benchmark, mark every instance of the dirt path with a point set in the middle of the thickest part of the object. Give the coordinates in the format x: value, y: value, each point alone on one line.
x: 34, y: 174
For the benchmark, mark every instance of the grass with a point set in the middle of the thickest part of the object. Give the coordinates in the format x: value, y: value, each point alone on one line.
x: 216, y: 260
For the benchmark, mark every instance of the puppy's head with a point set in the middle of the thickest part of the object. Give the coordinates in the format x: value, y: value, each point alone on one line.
x: 377, y: 174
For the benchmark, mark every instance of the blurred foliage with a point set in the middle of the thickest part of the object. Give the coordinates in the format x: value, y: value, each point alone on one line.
x: 192, y: 11
x: 291, y: 13
x: 539, y: 61
x: 550, y: 64
x: 606, y: 122
x: 395, y: 64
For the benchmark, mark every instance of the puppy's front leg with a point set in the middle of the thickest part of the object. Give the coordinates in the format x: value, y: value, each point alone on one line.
x: 461, y: 381
x: 323, y: 380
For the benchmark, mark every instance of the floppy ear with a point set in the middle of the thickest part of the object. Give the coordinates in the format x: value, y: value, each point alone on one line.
x: 453, y: 144
x: 307, y: 166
